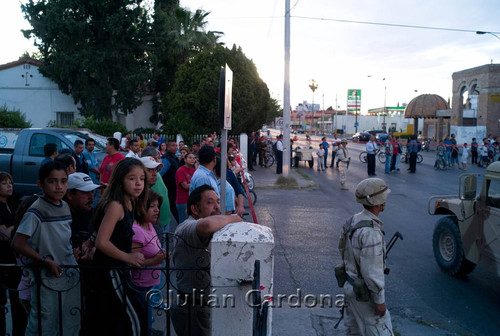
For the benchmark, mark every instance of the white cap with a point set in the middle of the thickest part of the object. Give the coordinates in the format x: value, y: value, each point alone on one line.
x: 82, y: 182
x: 150, y: 162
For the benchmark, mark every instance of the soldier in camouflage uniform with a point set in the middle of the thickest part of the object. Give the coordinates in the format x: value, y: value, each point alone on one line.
x: 362, y: 248
x: 343, y: 159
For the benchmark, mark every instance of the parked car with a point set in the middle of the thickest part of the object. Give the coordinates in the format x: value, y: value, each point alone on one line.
x: 381, y: 137
x: 21, y: 152
x: 361, y: 137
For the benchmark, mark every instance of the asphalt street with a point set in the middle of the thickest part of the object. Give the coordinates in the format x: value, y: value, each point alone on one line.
x: 306, y: 224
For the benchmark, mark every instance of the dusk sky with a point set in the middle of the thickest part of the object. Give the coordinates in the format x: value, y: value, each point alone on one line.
x: 339, y: 55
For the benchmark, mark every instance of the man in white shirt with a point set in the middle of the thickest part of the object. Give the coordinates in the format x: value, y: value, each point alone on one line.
x: 279, y: 154
x: 371, y: 149
x: 134, y: 149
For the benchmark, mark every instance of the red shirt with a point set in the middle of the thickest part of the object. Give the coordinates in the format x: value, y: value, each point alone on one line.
x: 183, y: 174
x: 108, y: 164
x: 395, y: 147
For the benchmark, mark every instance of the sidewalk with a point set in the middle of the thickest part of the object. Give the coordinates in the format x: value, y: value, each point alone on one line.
x: 304, y: 321
x: 265, y: 178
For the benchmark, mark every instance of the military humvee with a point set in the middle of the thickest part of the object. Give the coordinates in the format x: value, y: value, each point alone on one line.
x: 470, y: 233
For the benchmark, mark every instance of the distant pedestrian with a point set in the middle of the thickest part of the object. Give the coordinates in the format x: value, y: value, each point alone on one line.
x: 413, y: 152
x: 320, y: 153
x: 110, y: 160
x: 371, y: 149
x: 279, y: 154
x: 388, y: 153
x: 335, y: 148
x: 473, y: 151
x: 343, y: 159
x: 50, y: 152
x: 134, y: 149
x: 465, y: 156
x: 454, y: 156
x: 447, y: 154
x: 157, y: 138
x: 396, y: 152
x: 252, y: 149
x: 325, y: 148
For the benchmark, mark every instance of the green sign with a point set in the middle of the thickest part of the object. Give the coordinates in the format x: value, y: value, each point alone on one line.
x: 354, y: 101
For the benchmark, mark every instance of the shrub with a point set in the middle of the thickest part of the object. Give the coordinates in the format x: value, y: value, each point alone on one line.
x: 13, y: 118
x: 103, y: 127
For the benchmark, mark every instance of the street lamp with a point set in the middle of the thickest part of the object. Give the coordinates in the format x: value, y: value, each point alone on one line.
x: 483, y: 32
x: 313, y: 86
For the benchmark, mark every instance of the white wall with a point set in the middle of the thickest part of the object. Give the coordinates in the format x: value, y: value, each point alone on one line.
x: 41, y: 99
x: 34, y: 95
x: 368, y: 123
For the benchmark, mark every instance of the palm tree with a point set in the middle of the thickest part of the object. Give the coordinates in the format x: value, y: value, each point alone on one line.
x: 178, y: 34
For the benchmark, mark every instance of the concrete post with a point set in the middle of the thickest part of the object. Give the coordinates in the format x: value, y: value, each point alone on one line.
x: 244, y: 145
x: 234, y: 250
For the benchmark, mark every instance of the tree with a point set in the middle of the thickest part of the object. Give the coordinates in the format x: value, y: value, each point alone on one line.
x: 177, y: 35
x: 191, y: 107
x: 93, y: 50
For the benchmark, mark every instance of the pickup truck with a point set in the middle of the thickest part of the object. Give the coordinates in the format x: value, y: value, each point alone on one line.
x: 21, y: 152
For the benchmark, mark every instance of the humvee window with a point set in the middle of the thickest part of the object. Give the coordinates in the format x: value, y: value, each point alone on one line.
x: 493, y: 198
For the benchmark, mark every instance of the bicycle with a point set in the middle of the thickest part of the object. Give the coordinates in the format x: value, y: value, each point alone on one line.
x: 250, y: 183
x: 269, y: 158
x: 420, y: 158
x: 363, y: 156
x: 440, y: 164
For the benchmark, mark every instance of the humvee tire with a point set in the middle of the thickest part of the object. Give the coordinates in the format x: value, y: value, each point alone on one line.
x: 311, y: 163
x: 448, y: 248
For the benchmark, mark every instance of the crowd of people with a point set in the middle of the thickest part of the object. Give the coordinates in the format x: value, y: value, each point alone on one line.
x: 454, y: 155
x: 103, y: 217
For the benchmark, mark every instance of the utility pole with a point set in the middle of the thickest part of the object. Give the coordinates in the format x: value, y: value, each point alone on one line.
x: 286, y: 94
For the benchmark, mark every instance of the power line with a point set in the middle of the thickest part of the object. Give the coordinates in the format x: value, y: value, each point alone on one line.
x: 387, y: 24
x: 358, y: 22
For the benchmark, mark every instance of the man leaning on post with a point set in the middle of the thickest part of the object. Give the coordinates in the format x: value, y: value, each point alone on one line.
x: 191, y: 313
x: 361, y: 275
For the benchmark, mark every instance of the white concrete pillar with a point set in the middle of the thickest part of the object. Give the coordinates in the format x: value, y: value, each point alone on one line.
x: 244, y: 145
x: 234, y: 250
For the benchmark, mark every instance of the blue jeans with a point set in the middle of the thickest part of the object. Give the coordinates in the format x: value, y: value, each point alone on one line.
x: 388, y: 163
x: 447, y: 158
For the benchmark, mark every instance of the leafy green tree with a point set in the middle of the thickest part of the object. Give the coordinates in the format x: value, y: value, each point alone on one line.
x: 177, y: 35
x: 10, y: 118
x: 191, y: 107
x: 93, y: 50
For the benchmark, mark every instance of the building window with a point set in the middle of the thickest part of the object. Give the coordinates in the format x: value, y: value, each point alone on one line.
x: 65, y: 118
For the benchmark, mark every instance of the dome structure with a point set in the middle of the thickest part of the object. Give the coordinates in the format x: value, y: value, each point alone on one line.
x: 425, y: 106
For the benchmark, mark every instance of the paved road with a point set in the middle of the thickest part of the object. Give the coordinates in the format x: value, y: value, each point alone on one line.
x: 307, y: 223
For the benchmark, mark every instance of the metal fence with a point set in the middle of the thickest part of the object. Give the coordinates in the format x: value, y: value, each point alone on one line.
x: 89, y: 299
x: 73, y: 302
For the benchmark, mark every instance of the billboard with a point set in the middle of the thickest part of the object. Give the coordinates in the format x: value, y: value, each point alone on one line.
x: 353, y: 101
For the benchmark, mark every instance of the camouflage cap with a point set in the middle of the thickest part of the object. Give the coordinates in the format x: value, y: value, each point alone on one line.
x: 372, y: 191
x: 344, y: 140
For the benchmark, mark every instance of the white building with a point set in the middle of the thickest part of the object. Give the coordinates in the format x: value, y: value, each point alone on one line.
x: 24, y: 88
